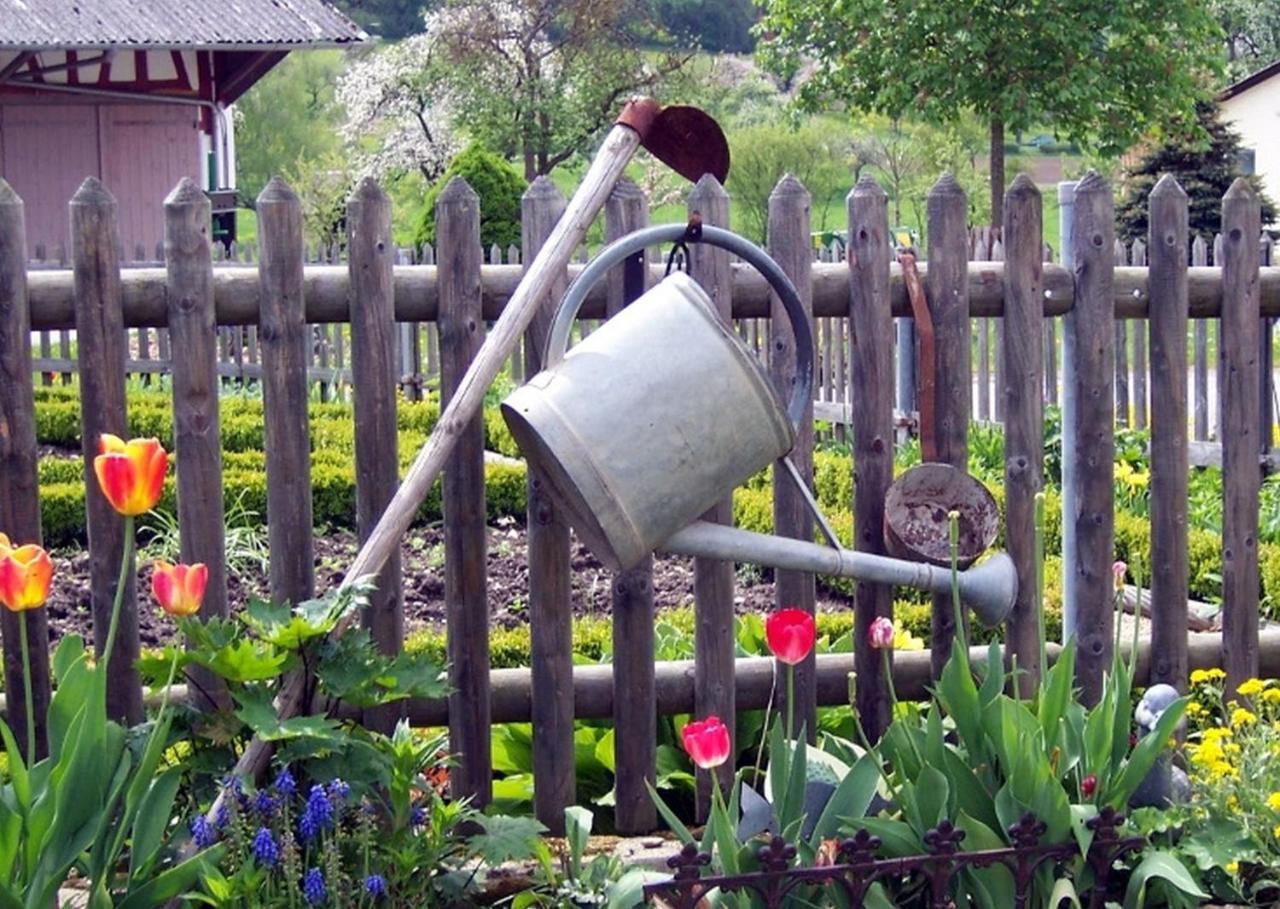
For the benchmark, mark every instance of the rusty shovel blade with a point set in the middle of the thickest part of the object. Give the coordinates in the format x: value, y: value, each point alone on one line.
x: 686, y: 139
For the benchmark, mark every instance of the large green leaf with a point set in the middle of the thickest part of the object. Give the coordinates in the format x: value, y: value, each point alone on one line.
x: 851, y: 798
x: 506, y: 838
x: 996, y: 880
x: 896, y: 838
x: 244, y: 661
x: 1158, y: 864
x: 154, y: 811
x: 1055, y: 694
x: 959, y: 697
x: 1145, y: 753
x: 932, y: 797
x: 173, y: 882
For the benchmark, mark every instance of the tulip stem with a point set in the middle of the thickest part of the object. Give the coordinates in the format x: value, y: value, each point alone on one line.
x: 791, y: 701
x: 30, y: 700
x: 126, y: 562
x: 887, y: 660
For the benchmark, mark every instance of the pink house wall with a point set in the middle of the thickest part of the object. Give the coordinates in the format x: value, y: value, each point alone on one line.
x: 138, y: 150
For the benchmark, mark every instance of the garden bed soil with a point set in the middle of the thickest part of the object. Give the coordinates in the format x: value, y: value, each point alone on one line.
x: 423, y: 572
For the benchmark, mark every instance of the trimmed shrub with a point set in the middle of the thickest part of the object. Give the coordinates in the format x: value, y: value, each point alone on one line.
x: 496, y: 182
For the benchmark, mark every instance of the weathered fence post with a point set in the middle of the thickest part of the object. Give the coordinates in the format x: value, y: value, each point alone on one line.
x: 465, y: 533
x: 1088, y: 440
x: 789, y: 247
x: 550, y: 608
x: 1266, y: 364
x: 20, y: 488
x: 287, y: 436
x: 1241, y: 475
x: 196, y: 430
x: 1200, y: 258
x: 712, y: 579
x: 871, y: 412
x: 101, y: 341
x: 373, y: 379
x: 635, y: 708
x: 1022, y: 353
x: 1167, y: 280
x: 947, y: 284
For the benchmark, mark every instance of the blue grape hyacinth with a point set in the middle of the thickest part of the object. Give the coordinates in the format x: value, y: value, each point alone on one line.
x: 284, y: 783
x: 265, y: 851
x: 317, y: 816
x: 376, y: 886
x: 204, y: 833
x: 313, y: 886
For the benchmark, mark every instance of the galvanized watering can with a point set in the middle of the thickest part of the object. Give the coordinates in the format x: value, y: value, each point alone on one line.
x: 663, y: 410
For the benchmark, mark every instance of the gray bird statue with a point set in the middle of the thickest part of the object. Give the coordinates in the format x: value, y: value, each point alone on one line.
x: 1164, y: 783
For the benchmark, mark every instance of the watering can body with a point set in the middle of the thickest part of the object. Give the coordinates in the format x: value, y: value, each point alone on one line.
x: 663, y: 411
x: 647, y: 422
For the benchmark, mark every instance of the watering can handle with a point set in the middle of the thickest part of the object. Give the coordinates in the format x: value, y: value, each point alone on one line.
x: 620, y: 249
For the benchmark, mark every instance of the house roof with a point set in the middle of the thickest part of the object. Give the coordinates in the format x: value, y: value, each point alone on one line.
x: 1249, y: 81
x: 222, y: 24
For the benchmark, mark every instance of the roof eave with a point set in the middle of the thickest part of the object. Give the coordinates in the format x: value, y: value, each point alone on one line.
x: 264, y: 46
x: 1252, y: 80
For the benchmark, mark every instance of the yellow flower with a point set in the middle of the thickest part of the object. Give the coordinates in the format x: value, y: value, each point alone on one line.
x: 905, y: 640
x: 1275, y: 831
x: 1194, y: 708
x: 1216, y: 734
x: 1273, y: 801
x: 1201, y: 676
x: 1233, y: 803
x: 1250, y: 688
x: 1241, y: 717
x: 1232, y: 868
x: 1221, y: 769
x: 1271, y: 696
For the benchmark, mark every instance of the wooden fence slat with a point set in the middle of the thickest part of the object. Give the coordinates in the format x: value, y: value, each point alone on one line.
x: 1121, y: 350
x: 997, y: 403
x: 713, y: 579
x: 465, y: 532
x: 872, y: 376
x: 789, y: 241
x: 1266, y: 364
x: 373, y: 369
x: 1138, y: 256
x: 1022, y: 353
x: 1241, y: 478
x: 1199, y: 258
x: 287, y: 434
x: 635, y: 708
x: 947, y: 287
x: 1216, y: 327
x: 1168, y: 222
x: 20, y: 489
x: 101, y: 341
x: 1088, y: 421
x: 550, y: 608
x: 196, y: 434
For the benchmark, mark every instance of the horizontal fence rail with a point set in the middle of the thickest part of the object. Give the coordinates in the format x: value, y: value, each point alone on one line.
x: 387, y: 327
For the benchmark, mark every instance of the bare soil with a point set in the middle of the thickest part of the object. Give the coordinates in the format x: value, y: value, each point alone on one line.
x: 423, y: 572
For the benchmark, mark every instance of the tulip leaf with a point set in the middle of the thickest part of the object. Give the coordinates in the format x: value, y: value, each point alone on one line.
x: 17, y: 769
x: 154, y: 811
x: 677, y: 826
x: 896, y: 838
x: 1145, y: 753
x: 851, y: 798
x: 1157, y: 864
x: 996, y: 881
x: 173, y: 882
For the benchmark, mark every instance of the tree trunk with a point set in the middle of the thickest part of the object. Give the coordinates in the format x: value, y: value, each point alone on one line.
x: 997, y: 173
x: 530, y: 163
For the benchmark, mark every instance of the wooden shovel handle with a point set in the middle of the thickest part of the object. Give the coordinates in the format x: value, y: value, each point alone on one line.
x: 618, y: 148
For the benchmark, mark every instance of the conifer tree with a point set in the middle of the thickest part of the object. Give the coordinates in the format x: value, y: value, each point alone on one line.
x: 1205, y: 165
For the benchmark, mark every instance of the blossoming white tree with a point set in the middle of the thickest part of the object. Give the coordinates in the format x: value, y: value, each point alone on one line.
x: 532, y: 79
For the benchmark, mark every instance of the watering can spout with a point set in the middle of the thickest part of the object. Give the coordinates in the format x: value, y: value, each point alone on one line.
x: 989, y: 589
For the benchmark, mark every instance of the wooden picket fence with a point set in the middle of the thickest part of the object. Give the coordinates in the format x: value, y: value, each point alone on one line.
x: 285, y: 299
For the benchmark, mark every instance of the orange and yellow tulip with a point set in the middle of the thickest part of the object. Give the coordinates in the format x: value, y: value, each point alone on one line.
x: 25, y: 575
x: 131, y: 473
x: 179, y: 589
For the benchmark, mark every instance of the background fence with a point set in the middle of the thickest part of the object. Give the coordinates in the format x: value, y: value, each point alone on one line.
x: 279, y: 305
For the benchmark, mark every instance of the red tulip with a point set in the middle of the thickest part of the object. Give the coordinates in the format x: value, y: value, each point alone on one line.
x: 1088, y: 785
x: 131, y: 473
x: 790, y: 633
x: 25, y: 575
x: 179, y: 589
x: 707, y: 742
x: 880, y: 634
